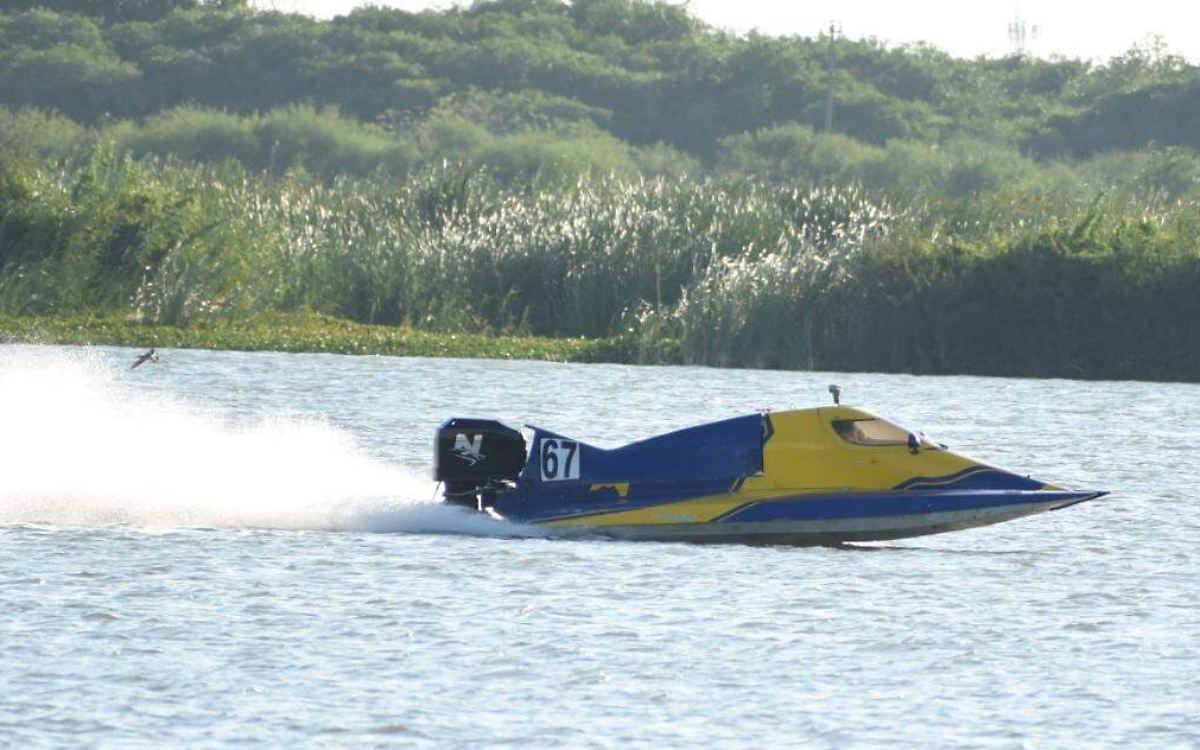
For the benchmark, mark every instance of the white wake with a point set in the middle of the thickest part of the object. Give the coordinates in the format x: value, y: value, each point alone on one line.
x: 80, y: 445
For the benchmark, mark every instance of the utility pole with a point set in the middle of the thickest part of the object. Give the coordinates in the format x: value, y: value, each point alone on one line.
x: 1020, y: 33
x: 831, y: 68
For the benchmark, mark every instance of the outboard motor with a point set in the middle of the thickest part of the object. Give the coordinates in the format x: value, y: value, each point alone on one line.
x: 476, y: 457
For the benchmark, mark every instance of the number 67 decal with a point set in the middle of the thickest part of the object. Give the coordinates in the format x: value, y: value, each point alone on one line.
x: 560, y: 459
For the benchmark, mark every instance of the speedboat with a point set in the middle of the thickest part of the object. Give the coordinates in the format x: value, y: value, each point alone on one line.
x: 818, y: 476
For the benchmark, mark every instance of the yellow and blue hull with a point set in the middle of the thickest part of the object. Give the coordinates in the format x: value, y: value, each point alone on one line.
x: 824, y: 519
x: 812, y: 476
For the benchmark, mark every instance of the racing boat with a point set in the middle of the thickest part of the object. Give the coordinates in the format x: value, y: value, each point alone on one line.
x: 823, y: 475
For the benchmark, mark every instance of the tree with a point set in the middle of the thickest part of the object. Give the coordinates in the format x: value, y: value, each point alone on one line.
x: 117, y: 11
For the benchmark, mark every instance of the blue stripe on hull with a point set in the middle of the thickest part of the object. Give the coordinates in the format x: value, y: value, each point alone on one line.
x: 540, y: 505
x: 973, y: 478
x: 825, y: 531
x: 907, y: 503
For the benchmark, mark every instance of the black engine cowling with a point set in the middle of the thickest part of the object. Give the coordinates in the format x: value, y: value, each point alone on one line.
x: 475, y: 457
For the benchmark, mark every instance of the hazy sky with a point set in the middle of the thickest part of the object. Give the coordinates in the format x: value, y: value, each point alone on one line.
x: 1073, y: 28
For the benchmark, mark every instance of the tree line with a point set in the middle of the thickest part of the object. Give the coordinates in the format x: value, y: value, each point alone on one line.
x: 643, y: 73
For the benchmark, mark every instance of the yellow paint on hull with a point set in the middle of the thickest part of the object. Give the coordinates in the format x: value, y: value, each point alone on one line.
x: 804, y: 455
x: 697, y: 510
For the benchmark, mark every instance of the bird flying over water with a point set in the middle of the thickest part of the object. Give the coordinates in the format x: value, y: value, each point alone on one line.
x: 142, y: 359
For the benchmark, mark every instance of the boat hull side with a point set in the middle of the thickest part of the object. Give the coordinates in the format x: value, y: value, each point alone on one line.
x: 837, y: 530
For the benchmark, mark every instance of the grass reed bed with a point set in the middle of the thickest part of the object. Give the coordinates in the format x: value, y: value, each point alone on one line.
x: 729, y: 273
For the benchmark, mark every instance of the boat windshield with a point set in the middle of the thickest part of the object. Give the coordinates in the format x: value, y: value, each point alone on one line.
x: 877, y: 432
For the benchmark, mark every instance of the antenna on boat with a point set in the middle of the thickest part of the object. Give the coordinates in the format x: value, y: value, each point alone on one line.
x: 836, y: 392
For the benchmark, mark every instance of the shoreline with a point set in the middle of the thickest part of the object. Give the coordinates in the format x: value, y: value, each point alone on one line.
x: 323, y: 334
x: 308, y: 333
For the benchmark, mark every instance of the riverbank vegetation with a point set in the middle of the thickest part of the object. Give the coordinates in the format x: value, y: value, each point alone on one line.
x: 610, y: 173
x: 300, y: 332
x: 724, y: 273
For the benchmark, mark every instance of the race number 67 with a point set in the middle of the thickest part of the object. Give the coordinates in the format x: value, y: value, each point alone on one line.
x: 560, y: 459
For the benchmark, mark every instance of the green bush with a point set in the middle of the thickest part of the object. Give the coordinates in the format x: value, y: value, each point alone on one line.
x: 34, y: 136
x: 795, y: 153
x: 319, y: 142
x: 196, y: 134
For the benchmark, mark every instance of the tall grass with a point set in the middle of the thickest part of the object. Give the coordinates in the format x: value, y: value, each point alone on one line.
x: 716, y: 272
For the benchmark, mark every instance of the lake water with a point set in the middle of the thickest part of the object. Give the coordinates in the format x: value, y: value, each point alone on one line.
x: 240, y: 548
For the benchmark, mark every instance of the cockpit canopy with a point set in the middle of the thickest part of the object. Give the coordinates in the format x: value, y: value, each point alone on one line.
x: 876, y: 431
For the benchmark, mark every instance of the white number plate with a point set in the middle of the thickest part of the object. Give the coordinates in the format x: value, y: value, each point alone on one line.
x: 560, y: 459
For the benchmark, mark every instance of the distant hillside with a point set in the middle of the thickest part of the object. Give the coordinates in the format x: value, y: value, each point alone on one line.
x: 643, y: 73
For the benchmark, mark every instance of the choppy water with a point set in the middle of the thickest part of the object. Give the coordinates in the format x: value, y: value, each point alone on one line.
x: 242, y: 548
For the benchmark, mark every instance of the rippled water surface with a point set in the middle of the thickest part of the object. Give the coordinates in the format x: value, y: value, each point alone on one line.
x: 242, y: 548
